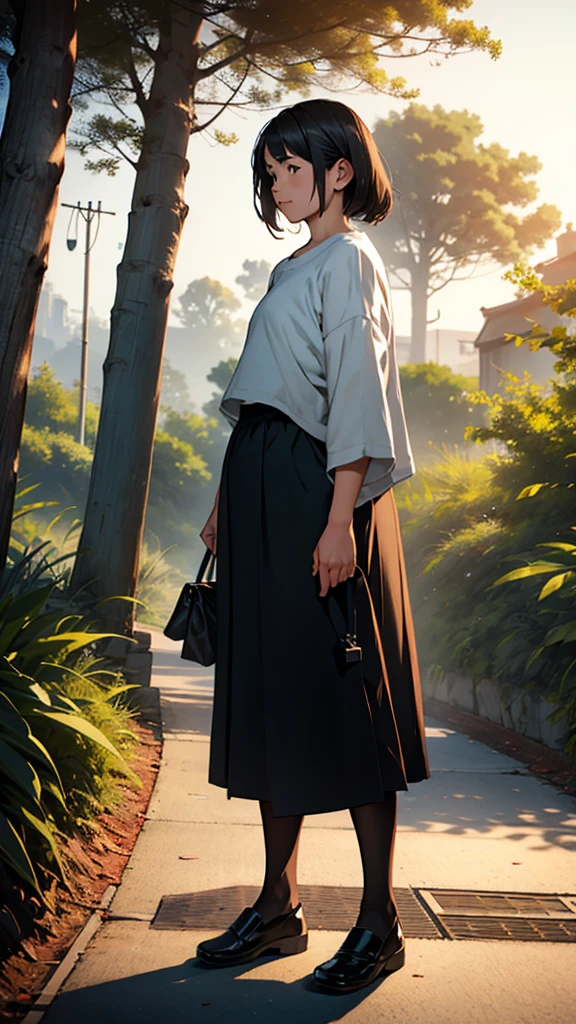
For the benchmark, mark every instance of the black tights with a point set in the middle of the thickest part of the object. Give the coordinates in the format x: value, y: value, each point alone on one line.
x: 375, y: 826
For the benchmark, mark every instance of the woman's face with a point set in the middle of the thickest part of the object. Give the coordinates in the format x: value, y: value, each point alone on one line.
x: 293, y: 187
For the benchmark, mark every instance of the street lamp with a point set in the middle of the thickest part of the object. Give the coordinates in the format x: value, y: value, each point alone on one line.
x: 88, y: 213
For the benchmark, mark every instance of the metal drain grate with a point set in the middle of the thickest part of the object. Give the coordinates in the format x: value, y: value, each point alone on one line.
x: 524, y: 917
x: 327, y: 907
x: 425, y: 913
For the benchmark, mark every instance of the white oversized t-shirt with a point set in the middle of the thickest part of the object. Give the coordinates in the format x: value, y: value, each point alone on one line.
x: 320, y: 347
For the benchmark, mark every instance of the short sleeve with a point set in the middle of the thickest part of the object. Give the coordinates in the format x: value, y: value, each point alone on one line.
x: 356, y: 349
x: 358, y: 416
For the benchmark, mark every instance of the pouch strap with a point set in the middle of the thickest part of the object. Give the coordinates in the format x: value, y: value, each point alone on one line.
x: 346, y: 628
x: 209, y: 559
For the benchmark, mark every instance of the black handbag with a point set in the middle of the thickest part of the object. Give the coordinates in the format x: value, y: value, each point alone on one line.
x: 194, y: 618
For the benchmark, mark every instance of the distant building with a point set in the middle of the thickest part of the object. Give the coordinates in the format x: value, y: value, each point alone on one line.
x: 53, y: 319
x: 447, y: 347
x: 498, y: 354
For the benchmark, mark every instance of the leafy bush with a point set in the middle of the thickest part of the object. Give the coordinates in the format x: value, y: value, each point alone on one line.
x: 50, y: 404
x: 466, y: 522
x: 437, y: 406
x: 34, y: 558
x: 57, y: 462
x: 52, y: 748
x: 159, y: 584
x: 64, y: 727
x: 185, y: 447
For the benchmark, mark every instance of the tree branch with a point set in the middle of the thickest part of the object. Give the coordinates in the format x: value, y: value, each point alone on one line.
x: 114, y: 102
x: 226, y: 61
x: 274, y: 43
x: 141, y: 98
x: 128, y: 58
x: 102, y: 149
x: 200, y: 128
x: 457, y: 265
x: 217, y: 42
x: 135, y: 27
x: 141, y: 43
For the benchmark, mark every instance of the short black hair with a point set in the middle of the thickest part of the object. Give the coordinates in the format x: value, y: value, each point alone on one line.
x: 322, y: 132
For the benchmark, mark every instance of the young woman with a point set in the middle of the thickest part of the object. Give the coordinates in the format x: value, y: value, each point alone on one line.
x: 305, y: 502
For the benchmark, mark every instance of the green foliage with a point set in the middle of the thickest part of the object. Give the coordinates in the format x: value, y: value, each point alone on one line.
x: 201, y: 432
x: 178, y: 477
x: 59, y: 468
x: 561, y: 298
x: 159, y: 583
x: 58, y: 462
x: 474, y: 535
x: 221, y: 374
x: 64, y: 726
x: 536, y: 436
x: 250, y: 55
x: 437, y: 406
x: 255, y: 278
x: 459, y: 199
x: 175, y: 466
x: 205, y: 307
x: 451, y: 495
x: 174, y: 393
x: 32, y: 560
x: 50, y: 404
x: 226, y: 138
x: 61, y: 732
x: 106, y: 133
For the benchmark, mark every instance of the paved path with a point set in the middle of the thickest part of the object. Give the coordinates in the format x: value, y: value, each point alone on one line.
x: 481, y: 822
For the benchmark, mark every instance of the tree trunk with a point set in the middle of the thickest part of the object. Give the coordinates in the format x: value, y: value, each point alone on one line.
x: 107, y: 563
x: 32, y: 149
x: 419, y: 293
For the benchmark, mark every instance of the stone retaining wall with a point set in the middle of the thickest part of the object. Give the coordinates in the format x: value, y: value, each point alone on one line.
x: 526, y: 713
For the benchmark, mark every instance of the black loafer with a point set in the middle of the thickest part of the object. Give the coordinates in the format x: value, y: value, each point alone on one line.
x: 248, y: 937
x: 362, y: 957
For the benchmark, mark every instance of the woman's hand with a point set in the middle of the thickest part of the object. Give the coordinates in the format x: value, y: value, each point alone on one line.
x: 334, y: 555
x: 210, y: 529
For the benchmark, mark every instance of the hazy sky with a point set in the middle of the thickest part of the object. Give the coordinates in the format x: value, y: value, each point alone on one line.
x: 525, y: 100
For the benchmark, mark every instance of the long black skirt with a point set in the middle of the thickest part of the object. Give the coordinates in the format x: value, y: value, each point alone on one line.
x: 289, y: 725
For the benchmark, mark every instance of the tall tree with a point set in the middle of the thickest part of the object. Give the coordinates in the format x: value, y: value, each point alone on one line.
x: 255, y: 278
x: 220, y: 375
x: 32, y: 149
x: 206, y: 306
x: 175, y: 59
x: 174, y: 393
x: 456, y: 205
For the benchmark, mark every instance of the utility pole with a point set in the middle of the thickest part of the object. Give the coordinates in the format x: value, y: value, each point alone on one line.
x: 89, y: 214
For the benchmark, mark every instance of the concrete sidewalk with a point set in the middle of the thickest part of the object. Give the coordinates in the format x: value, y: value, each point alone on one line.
x: 481, y: 822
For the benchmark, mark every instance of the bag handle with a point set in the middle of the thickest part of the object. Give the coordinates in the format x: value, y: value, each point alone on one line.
x: 209, y: 560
